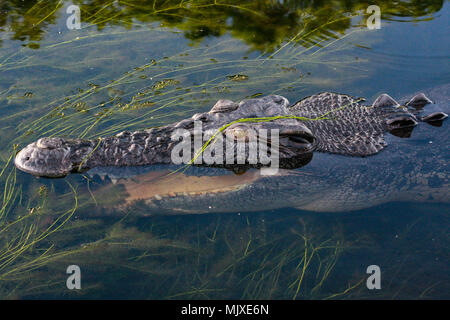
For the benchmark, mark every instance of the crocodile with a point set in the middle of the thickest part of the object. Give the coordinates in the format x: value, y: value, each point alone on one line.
x: 326, y: 122
x: 409, y: 170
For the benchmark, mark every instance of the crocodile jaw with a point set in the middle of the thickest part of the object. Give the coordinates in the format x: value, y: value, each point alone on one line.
x: 158, y: 185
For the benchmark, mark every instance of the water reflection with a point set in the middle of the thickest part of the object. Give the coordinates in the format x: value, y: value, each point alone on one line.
x: 263, y: 25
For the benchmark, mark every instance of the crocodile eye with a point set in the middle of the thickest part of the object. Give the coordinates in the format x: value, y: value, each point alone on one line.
x: 185, y: 124
x: 301, y: 139
x: 200, y: 117
x: 224, y: 106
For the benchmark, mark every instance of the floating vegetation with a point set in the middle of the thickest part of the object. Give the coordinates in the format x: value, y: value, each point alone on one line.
x: 136, y: 106
x: 290, y: 69
x: 237, y: 77
x: 80, y: 107
x: 164, y: 83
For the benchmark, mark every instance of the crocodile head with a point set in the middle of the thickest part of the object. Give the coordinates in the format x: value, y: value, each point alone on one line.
x: 52, y: 157
x: 57, y: 157
x: 293, y: 137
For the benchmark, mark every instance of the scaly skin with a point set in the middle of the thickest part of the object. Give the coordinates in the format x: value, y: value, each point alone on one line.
x: 342, y: 125
x: 410, y: 170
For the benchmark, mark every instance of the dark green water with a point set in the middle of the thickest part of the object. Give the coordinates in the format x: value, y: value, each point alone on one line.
x: 138, y: 64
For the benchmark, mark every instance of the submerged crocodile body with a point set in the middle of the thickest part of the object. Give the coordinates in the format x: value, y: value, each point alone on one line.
x: 326, y: 122
x: 414, y: 169
x: 409, y: 170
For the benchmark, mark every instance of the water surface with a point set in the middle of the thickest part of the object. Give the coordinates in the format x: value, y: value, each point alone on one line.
x: 138, y: 64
